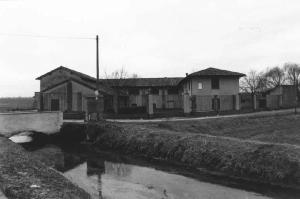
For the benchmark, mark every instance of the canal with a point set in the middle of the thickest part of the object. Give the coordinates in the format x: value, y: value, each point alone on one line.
x: 109, y: 175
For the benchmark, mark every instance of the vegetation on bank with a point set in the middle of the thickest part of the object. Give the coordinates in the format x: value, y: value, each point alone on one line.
x: 265, y: 162
x: 281, y: 128
x: 22, y: 176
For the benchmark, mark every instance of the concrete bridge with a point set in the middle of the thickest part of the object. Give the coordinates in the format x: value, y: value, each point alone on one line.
x: 44, y: 122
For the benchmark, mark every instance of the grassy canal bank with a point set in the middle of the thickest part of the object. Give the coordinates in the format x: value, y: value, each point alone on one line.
x: 22, y: 176
x: 263, y: 149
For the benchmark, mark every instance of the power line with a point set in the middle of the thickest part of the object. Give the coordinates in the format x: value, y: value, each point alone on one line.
x: 45, y: 36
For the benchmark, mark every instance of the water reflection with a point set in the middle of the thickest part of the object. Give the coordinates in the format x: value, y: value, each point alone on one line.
x: 105, y: 179
x: 24, y: 137
x: 109, y: 176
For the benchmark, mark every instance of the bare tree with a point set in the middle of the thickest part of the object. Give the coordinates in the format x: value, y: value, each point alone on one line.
x: 119, y: 74
x: 275, y: 76
x: 292, y: 73
x: 116, y: 80
x: 254, y: 82
x: 117, y: 77
x: 134, y: 75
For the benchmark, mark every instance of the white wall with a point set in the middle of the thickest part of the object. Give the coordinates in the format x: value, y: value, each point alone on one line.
x: 45, y: 122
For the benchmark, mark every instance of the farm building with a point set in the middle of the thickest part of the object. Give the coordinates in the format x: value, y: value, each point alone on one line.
x: 64, y: 89
x: 207, y: 90
x: 283, y: 96
x: 133, y: 92
x: 212, y: 90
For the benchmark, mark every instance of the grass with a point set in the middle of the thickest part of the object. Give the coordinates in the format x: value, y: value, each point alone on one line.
x: 19, y: 170
x: 276, y: 129
x: 269, y: 163
x: 16, y: 103
x: 244, y: 147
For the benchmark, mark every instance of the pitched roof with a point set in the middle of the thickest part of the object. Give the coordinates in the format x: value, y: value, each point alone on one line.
x: 107, y: 84
x: 129, y: 82
x: 82, y: 75
x: 216, y: 72
x: 102, y: 89
x: 144, y: 82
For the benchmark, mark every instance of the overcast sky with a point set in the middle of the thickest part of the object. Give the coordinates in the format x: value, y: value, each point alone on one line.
x: 157, y: 38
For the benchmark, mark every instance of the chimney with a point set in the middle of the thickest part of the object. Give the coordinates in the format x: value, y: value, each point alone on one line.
x: 186, y: 74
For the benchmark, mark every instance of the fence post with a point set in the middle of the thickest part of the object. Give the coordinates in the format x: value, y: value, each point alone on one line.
x: 186, y: 104
x: 150, y: 105
x: 254, y: 102
x: 115, y: 103
x: 237, y: 102
x: 280, y: 101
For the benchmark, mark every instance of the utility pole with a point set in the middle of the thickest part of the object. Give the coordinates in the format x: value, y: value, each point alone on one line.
x: 97, y: 64
x: 97, y: 80
x: 296, y: 91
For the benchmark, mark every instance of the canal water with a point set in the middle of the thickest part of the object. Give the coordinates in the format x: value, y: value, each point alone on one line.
x: 108, y: 175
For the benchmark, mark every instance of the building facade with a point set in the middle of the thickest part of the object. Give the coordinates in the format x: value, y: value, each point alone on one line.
x: 283, y: 96
x: 134, y: 92
x: 63, y: 89
x: 207, y: 90
x: 212, y: 90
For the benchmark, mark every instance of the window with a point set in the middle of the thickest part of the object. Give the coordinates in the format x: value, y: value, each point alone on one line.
x: 154, y: 106
x: 154, y: 91
x: 200, y: 86
x: 133, y: 91
x: 172, y: 91
x: 215, y: 83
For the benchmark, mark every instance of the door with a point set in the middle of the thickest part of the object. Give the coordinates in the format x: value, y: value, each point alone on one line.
x: 215, y: 104
x: 54, y: 104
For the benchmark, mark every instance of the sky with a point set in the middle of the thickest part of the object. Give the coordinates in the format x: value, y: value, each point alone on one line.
x: 157, y: 38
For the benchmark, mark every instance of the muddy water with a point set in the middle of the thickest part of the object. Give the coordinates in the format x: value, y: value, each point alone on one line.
x: 123, y: 181
x: 107, y: 175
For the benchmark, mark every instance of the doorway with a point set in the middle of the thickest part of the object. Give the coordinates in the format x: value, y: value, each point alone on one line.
x: 54, y: 104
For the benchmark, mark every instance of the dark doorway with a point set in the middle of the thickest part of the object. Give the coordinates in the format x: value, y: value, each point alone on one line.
x: 54, y: 104
x: 216, y: 104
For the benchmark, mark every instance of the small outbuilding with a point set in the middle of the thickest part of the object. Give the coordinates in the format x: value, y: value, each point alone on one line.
x: 283, y: 96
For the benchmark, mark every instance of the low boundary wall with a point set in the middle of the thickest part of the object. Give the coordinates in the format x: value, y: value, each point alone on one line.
x: 44, y: 122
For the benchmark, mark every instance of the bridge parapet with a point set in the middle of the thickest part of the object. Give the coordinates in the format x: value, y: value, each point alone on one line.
x: 44, y: 122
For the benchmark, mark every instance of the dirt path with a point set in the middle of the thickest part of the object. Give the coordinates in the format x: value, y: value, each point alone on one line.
x: 249, y: 141
x: 262, y: 113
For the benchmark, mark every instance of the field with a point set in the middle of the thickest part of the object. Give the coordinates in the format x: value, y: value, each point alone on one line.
x: 16, y: 103
x: 274, y: 128
x: 259, y: 148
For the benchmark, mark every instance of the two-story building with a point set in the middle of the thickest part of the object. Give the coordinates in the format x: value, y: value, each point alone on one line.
x: 207, y: 90
x: 212, y: 89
